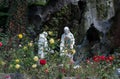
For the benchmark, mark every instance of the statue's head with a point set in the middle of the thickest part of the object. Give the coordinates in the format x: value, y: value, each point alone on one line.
x: 66, y: 30
x: 45, y: 33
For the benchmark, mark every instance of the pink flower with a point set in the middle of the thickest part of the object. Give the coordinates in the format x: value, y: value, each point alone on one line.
x: 88, y: 61
x: 1, y: 44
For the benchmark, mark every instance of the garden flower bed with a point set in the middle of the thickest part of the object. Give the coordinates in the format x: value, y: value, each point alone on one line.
x: 23, y: 59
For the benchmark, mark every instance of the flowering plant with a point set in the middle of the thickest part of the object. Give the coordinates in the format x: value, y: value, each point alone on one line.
x: 23, y: 58
x: 42, y: 61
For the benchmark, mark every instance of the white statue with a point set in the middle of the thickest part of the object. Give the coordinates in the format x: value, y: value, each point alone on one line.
x: 67, y: 41
x: 42, y: 44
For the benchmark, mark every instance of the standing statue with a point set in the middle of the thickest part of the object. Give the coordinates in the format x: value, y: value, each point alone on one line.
x: 42, y: 44
x: 67, y: 42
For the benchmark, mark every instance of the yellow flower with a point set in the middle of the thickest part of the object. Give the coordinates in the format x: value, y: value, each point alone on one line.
x: 51, y: 41
x: 3, y: 63
x: 25, y: 47
x: 17, y: 60
x: 20, y: 36
x: 73, y: 51
x: 30, y: 44
x: 50, y: 33
x: 34, y: 65
x: 11, y: 66
x: 17, y: 66
x: 35, y: 58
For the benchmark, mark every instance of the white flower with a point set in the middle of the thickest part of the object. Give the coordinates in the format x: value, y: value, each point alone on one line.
x: 34, y: 65
x: 35, y: 58
x: 20, y: 45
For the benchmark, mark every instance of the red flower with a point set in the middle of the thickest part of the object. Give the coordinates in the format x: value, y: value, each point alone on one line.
x: 42, y: 61
x: 107, y: 60
x: 102, y: 58
x: 110, y: 58
x: 99, y: 58
x: 96, y: 58
x: 1, y: 44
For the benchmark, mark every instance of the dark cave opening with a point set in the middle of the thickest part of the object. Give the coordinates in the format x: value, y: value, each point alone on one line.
x: 92, y: 34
